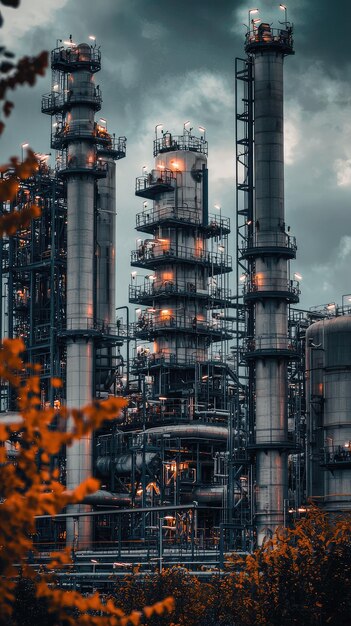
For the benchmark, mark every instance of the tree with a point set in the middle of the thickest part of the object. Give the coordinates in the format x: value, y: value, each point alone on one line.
x: 30, y: 486
x: 301, y: 576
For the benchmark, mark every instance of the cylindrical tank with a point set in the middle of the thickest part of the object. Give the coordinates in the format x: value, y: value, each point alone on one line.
x: 328, y: 389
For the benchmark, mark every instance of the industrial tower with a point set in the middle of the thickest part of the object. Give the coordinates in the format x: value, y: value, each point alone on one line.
x: 86, y: 164
x: 264, y: 250
x: 186, y: 297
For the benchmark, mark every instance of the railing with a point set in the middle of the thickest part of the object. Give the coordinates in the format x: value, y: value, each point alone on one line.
x: 168, y: 287
x: 67, y: 56
x: 145, y: 255
x: 73, y: 163
x: 186, y: 214
x: 337, y: 454
x: 155, y: 178
x: 168, y: 143
x: 274, y: 240
x: 145, y: 359
x: 269, y: 342
x: 264, y: 34
x: 149, y: 323
x: 258, y: 284
x: 110, y: 143
x: 98, y: 326
x: 55, y: 101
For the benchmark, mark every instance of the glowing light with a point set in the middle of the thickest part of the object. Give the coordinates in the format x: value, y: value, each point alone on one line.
x: 24, y: 145
x: 92, y: 37
x: 102, y: 119
x: 160, y: 167
x: 162, y: 398
x: 202, y: 129
x: 55, y: 87
x: 242, y: 278
x: 138, y: 310
x: 164, y: 311
x: 217, y: 206
x: 297, y: 276
x: 282, y: 7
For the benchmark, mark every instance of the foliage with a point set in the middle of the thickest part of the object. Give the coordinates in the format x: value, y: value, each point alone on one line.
x: 301, y: 576
x: 193, y: 599
x: 30, y: 485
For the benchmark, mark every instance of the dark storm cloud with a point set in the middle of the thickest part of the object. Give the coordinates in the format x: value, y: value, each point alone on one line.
x: 167, y: 61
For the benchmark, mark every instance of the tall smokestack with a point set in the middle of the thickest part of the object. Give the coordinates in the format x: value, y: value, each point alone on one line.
x: 269, y: 290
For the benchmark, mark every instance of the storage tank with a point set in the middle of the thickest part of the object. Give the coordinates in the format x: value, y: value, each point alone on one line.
x: 328, y: 389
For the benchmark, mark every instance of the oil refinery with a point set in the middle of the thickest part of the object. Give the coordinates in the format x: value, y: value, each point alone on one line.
x: 237, y: 416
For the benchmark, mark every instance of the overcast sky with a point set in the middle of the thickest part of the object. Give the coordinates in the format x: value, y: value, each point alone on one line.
x: 167, y: 62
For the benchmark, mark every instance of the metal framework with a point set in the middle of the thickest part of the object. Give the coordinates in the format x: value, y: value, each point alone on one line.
x: 33, y: 282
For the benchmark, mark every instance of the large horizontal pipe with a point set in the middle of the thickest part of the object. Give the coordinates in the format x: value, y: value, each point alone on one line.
x: 194, y: 431
x: 102, y: 497
x: 208, y: 495
x: 122, y: 464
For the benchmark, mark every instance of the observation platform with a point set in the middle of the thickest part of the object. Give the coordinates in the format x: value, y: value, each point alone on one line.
x: 147, y: 221
x: 72, y: 168
x: 148, y: 292
x: 266, y: 346
x: 280, y: 245
x: 152, y: 185
x: 149, y: 326
x: 73, y: 58
x: 56, y: 102
x: 266, y: 38
x: 93, y: 329
x: 275, y: 288
x: 172, y: 143
x: 336, y: 458
x: 156, y: 255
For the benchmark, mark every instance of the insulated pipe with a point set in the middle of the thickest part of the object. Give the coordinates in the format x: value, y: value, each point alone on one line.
x: 199, y: 431
x: 209, y: 495
x: 122, y: 465
x: 106, y: 498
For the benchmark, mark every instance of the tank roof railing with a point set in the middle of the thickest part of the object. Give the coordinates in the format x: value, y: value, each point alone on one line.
x: 264, y: 36
x: 171, y: 143
x: 64, y: 58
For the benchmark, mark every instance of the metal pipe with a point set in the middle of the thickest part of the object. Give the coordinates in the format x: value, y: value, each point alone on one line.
x: 200, y: 431
x: 122, y: 464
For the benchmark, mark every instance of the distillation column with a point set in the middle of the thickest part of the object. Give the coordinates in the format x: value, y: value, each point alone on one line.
x: 87, y: 154
x: 269, y: 289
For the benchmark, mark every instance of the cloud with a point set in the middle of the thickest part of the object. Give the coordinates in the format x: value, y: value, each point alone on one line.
x: 31, y: 14
x: 153, y: 31
x: 343, y: 172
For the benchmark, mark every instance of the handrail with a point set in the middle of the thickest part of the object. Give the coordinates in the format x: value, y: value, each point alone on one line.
x: 145, y: 254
